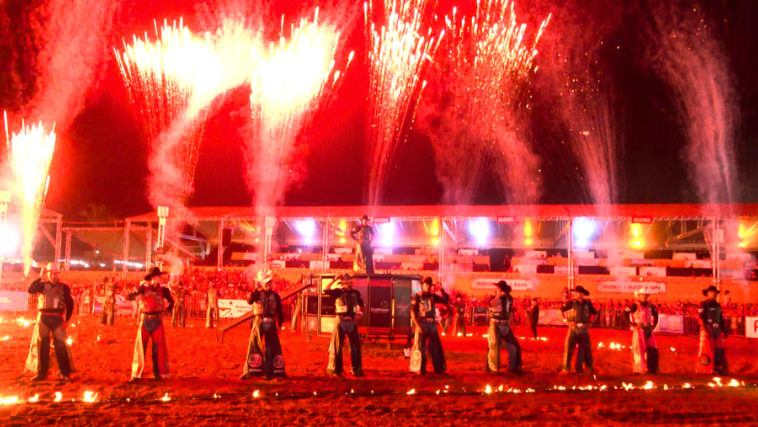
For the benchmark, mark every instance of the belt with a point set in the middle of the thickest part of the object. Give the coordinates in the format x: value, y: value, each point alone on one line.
x: 51, y: 313
x: 430, y: 319
x: 580, y: 325
x: 151, y: 316
x: 499, y: 320
x: 268, y: 319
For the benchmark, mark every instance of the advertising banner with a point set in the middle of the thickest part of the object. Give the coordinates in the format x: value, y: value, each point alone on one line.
x: 123, y: 306
x: 751, y: 327
x: 551, y: 317
x: 380, y: 306
x: 232, y: 308
x: 13, y: 300
x: 515, y: 284
x: 670, y: 323
x: 630, y: 287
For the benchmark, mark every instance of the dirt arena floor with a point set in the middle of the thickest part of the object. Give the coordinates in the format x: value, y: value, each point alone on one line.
x: 205, y: 389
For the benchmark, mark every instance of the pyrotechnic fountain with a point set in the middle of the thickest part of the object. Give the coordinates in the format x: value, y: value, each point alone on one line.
x: 692, y: 63
x: 485, y: 60
x: 30, y: 152
x: 288, y: 83
x: 397, y: 52
x: 172, y: 82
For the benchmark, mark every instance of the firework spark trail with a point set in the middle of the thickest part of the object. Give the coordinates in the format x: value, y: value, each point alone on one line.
x: 485, y: 60
x: 287, y: 86
x: 30, y: 152
x: 693, y: 64
x: 72, y: 53
x: 173, y: 82
x: 397, y: 52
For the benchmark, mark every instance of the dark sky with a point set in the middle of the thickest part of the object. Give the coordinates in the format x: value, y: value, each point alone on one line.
x: 101, y: 159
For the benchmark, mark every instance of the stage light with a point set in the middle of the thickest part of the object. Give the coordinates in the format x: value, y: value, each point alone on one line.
x: 342, y: 240
x: 386, y: 233
x: 435, y: 241
x: 10, y: 240
x: 435, y: 228
x: 527, y: 229
x: 306, y: 228
x: 584, y: 230
x: 480, y: 230
x: 742, y: 244
x: 528, y: 242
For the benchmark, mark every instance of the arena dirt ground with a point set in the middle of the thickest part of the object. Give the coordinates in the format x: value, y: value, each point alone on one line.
x: 205, y: 389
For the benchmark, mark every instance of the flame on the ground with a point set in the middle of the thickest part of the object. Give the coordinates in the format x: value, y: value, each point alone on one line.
x: 628, y: 387
x: 687, y: 385
x: 5, y: 338
x: 34, y: 399
x: 9, y: 400
x: 256, y: 394
x: 69, y: 341
x: 734, y: 383
x: 23, y: 322
x: 648, y: 385
x: 488, y: 389
x: 90, y: 396
x: 165, y: 398
x: 411, y: 391
x: 58, y: 396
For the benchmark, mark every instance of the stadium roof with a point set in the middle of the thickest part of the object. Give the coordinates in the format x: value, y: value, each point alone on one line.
x: 506, y: 212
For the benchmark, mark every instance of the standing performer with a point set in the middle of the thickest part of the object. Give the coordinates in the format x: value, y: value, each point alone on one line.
x: 423, y: 315
x: 264, y: 351
x: 349, y: 307
x: 211, y: 304
x: 151, y: 308
x: 460, y: 316
x: 364, y: 254
x: 533, y: 317
x: 500, y: 332
x: 296, y: 307
x: 107, y: 317
x: 712, y: 357
x: 643, y: 316
x: 578, y: 314
x: 55, y: 307
x: 179, y: 315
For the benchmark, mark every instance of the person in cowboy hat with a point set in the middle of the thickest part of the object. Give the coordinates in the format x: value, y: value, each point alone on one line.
x: 55, y: 307
x: 211, y: 302
x: 643, y: 318
x: 500, y: 333
x: 151, y: 308
x: 348, y: 305
x: 363, y: 233
x: 578, y: 314
x: 712, y: 354
x: 264, y: 350
x: 424, y: 320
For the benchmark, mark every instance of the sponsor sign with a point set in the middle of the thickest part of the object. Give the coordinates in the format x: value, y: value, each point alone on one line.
x: 653, y: 271
x: 551, y: 317
x: 124, y: 307
x: 640, y: 262
x: 642, y: 220
x: 624, y: 271
x: 525, y: 268
x: 233, y: 308
x: 515, y: 284
x: 278, y: 263
x: 685, y: 255
x: 13, y: 300
x: 670, y: 323
x: 381, y: 220
x: 630, y: 287
x: 536, y: 254
x: 751, y: 327
x: 505, y: 219
x: 699, y: 263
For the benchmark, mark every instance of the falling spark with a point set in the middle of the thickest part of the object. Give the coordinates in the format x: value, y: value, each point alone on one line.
x: 69, y: 341
x: 673, y: 350
x: 165, y: 398
x: 288, y: 85
x: 58, y: 396
x: 34, y: 399
x: 397, y: 53
x: 90, y: 396
x: 30, y: 152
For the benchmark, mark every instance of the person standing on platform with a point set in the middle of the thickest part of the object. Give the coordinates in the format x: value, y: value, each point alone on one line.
x: 179, y: 315
x: 363, y: 233
x: 55, y: 307
x: 151, y: 307
x: 423, y: 315
x: 264, y: 350
x: 712, y: 355
x: 643, y: 316
x: 211, y: 304
x: 107, y: 317
x: 578, y: 314
x: 348, y: 305
x: 533, y: 316
x: 460, y: 316
x: 500, y: 332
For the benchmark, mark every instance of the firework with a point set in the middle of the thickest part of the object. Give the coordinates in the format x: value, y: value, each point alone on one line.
x: 485, y: 60
x: 289, y: 81
x: 397, y: 52
x: 30, y: 152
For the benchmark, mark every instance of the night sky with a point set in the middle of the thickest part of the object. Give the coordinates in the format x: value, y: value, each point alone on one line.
x: 101, y: 159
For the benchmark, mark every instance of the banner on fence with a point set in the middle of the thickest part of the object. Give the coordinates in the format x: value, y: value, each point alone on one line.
x: 515, y: 284
x: 751, y: 327
x: 630, y: 287
x: 13, y: 300
x: 123, y: 306
x: 670, y: 323
x: 233, y: 308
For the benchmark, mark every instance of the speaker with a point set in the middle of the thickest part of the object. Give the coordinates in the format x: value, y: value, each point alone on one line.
x: 226, y: 237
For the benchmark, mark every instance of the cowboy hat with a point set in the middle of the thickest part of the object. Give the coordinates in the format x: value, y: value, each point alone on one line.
x: 641, y: 291
x: 504, y: 286
x: 365, y: 217
x: 53, y: 268
x: 581, y: 290
x: 709, y: 289
x: 264, y: 276
x: 428, y: 280
x: 155, y: 271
